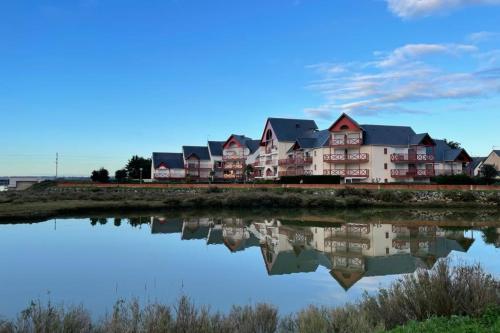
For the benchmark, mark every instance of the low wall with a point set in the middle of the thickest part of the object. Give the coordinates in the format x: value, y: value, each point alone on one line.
x: 413, y: 187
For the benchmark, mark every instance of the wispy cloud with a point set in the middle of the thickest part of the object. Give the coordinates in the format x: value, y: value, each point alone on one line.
x: 398, y: 80
x: 408, y: 9
x: 482, y: 36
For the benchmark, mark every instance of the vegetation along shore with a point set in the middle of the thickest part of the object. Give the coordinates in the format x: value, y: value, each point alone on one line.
x: 459, y: 299
x: 47, y: 200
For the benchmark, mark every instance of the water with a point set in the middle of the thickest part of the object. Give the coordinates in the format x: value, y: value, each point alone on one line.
x: 221, y: 261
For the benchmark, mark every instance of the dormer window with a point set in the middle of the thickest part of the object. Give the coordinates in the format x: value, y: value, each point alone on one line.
x: 344, y: 127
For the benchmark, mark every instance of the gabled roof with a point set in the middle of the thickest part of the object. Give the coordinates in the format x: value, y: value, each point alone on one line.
x: 245, y: 141
x: 444, y: 153
x: 170, y: 160
x: 349, y: 119
x: 422, y: 138
x: 215, y: 147
x: 316, y: 139
x: 388, y: 135
x: 291, y: 129
x: 476, y: 161
x: 199, y: 151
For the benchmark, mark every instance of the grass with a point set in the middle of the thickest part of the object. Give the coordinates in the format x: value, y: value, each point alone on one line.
x: 47, y: 200
x: 461, y: 299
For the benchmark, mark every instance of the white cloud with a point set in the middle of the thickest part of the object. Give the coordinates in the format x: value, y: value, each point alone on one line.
x: 414, y: 51
x: 482, y: 36
x: 398, y: 80
x: 420, y: 8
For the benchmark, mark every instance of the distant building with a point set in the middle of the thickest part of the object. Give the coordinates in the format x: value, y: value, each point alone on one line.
x: 493, y: 159
x: 167, y: 166
x: 450, y: 161
x: 22, y: 183
x: 474, y: 167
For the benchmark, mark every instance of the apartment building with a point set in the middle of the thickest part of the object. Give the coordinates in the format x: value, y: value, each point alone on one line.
x: 296, y: 147
x: 278, y: 137
x: 237, y: 152
x: 167, y: 166
x: 450, y: 161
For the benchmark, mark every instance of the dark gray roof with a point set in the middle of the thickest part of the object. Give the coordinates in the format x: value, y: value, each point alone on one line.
x: 475, y: 162
x: 171, y: 160
x: 443, y: 152
x: 253, y: 145
x: 388, y: 135
x: 200, y: 151
x: 497, y: 152
x: 315, y: 139
x: 291, y: 129
x: 195, y: 232
x: 215, y: 147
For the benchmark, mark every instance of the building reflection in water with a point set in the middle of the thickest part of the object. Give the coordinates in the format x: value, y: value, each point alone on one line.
x: 349, y: 251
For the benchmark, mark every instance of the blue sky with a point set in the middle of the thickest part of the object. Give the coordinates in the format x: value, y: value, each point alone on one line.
x: 100, y: 80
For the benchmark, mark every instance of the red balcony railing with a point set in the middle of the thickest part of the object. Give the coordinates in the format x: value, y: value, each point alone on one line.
x: 342, y: 142
x: 343, y: 158
x: 412, y: 158
x: 233, y: 157
x: 295, y: 173
x: 362, y: 173
x: 295, y: 161
x: 268, y: 162
x: 413, y: 173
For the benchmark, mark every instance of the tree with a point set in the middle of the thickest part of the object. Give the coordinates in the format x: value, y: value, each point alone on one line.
x: 489, y: 173
x: 453, y: 144
x: 120, y: 175
x: 101, y: 176
x: 248, y: 171
x: 134, y: 166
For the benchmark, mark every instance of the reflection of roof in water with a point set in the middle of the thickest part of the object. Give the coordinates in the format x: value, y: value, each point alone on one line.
x: 236, y: 245
x: 201, y: 232
x: 346, y: 279
x: 393, y: 264
x: 215, y: 236
x: 288, y: 262
x: 170, y: 226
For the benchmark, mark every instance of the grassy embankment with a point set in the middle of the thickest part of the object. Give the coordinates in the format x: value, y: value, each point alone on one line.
x: 46, y: 200
x: 462, y: 299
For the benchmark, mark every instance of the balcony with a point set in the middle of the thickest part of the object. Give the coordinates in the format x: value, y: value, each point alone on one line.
x: 233, y: 166
x: 343, y: 158
x: 257, y: 164
x: 271, y: 149
x: 359, y: 173
x: 412, y: 173
x: 233, y: 158
x: 346, y: 142
x: 295, y: 161
x: 412, y: 158
x: 295, y: 173
x: 270, y: 161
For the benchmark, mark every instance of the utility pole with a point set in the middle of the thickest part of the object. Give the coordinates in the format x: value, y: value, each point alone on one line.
x: 57, y: 164
x: 140, y: 178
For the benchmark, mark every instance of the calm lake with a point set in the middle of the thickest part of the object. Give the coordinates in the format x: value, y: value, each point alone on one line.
x: 221, y: 260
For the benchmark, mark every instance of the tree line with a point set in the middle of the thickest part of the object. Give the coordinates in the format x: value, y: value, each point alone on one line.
x: 137, y: 167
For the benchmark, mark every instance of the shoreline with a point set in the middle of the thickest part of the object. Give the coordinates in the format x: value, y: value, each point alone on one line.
x: 46, y: 203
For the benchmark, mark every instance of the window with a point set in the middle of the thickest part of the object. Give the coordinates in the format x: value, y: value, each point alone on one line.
x: 314, y: 167
x: 385, y: 180
x: 315, y: 153
x: 385, y: 151
x: 386, y: 250
x: 344, y: 127
x: 385, y: 166
x: 386, y: 235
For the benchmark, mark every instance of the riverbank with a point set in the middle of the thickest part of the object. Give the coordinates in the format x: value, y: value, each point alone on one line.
x: 43, y: 202
x: 422, y: 300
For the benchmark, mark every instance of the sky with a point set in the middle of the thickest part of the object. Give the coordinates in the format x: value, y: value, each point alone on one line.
x: 98, y: 81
